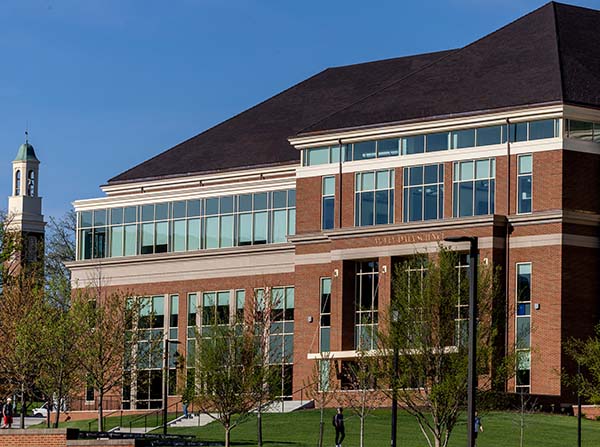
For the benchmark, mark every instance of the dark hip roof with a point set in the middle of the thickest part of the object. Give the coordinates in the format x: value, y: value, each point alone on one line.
x: 258, y: 136
x: 551, y: 55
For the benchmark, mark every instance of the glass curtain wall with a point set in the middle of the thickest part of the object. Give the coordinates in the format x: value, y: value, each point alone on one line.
x: 216, y: 222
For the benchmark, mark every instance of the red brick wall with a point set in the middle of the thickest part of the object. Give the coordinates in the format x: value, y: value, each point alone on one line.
x: 546, y: 322
x: 308, y: 205
x: 580, y: 174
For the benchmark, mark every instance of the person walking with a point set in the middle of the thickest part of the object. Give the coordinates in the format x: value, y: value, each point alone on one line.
x: 338, y: 423
x: 477, y: 426
x: 7, y: 413
x: 185, y: 403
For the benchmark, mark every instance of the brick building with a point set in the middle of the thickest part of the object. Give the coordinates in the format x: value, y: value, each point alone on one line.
x: 320, y: 190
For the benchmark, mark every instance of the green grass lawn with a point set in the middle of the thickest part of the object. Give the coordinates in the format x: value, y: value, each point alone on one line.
x: 501, y: 430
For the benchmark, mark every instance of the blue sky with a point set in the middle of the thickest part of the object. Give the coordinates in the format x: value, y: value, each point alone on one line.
x: 106, y: 84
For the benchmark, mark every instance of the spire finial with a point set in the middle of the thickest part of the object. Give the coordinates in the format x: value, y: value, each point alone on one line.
x: 26, y: 132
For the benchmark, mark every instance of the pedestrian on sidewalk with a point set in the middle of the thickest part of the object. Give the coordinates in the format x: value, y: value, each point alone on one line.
x: 7, y: 413
x: 338, y: 423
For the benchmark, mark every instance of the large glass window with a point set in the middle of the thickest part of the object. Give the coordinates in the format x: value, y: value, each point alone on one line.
x: 328, y: 203
x: 423, y: 192
x: 534, y: 130
x: 523, y: 327
x: 149, y: 354
x: 366, y: 317
x: 524, y: 183
x: 192, y: 308
x: 281, y: 332
x: 583, y: 130
x: 452, y: 139
x: 215, y: 310
x: 474, y: 187
x: 325, y: 316
x: 374, y: 198
x: 216, y: 222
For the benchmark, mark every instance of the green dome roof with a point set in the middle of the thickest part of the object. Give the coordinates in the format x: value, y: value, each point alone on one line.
x: 26, y: 153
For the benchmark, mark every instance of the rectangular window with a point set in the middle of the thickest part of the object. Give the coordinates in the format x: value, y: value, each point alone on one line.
x: 413, y: 145
x: 191, y: 328
x: 116, y: 241
x: 523, y: 327
x: 364, y: 150
x: 388, y: 148
x: 215, y: 309
x: 524, y: 184
x: 173, y: 316
x: 374, y: 198
x: 193, y: 234
x: 179, y: 233
x: 147, y: 238
x: 317, y: 156
x: 130, y: 240
x: 474, y: 187
x: 328, y: 203
x: 541, y: 129
x: 325, y: 316
x: 423, y: 192
x: 162, y: 237
x: 463, y: 138
x: 281, y: 338
x: 437, y: 142
x: 366, y: 318
x: 240, y: 302
x: 490, y: 135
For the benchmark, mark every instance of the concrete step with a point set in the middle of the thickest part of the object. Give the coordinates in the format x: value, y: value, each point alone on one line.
x: 138, y: 430
x: 193, y: 421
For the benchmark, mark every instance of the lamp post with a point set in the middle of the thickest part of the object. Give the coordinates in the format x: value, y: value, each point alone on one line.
x: 395, y: 378
x: 472, y: 367
x: 166, y: 380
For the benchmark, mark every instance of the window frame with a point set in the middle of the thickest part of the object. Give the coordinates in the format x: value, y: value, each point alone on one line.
x: 519, y: 175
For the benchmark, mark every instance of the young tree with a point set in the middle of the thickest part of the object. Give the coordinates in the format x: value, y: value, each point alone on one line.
x: 58, y: 337
x: 20, y: 304
x: 322, y: 388
x: 363, y: 395
x: 60, y: 245
x: 107, y: 324
x: 427, y: 325
x: 260, y: 318
x: 229, y: 376
x: 585, y: 353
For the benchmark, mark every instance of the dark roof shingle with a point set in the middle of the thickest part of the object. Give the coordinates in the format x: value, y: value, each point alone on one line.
x: 258, y: 136
x: 549, y: 55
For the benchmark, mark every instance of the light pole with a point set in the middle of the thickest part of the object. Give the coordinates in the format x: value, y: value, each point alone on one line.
x: 472, y: 368
x: 166, y: 380
x: 395, y: 377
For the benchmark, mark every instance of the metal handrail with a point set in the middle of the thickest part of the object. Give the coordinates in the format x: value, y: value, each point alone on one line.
x: 155, y: 412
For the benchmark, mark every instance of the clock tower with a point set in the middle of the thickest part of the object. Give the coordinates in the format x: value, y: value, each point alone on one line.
x: 25, y: 204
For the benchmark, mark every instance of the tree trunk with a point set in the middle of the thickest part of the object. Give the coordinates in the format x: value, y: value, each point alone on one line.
x: 57, y: 418
x: 362, y: 431
x: 259, y: 427
x: 23, y: 407
x: 321, y: 426
x: 100, y: 414
x: 227, y: 435
x: 48, y: 412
